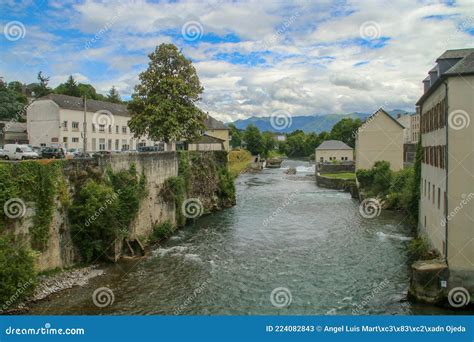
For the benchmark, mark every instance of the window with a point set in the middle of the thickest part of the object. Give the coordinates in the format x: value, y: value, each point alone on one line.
x: 64, y: 139
x: 117, y: 144
x: 125, y: 146
x: 102, y: 128
x: 109, y: 144
x: 117, y: 129
x: 75, y: 126
x: 434, y: 195
x: 101, y: 144
x: 429, y: 187
x: 321, y: 159
x: 110, y: 128
x: 64, y: 125
x: 124, y: 129
x: 76, y: 140
x: 439, y: 198
x: 93, y: 127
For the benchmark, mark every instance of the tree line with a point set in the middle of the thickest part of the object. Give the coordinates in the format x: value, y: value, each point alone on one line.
x: 294, y: 144
x: 14, y: 95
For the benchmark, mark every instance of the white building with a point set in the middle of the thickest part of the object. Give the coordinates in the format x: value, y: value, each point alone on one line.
x: 333, y: 151
x: 58, y: 120
x: 405, y: 121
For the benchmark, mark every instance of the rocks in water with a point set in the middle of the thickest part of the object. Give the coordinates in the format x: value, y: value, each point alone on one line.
x: 291, y: 171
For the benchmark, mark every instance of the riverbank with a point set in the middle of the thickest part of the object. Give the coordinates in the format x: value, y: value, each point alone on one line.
x: 50, y: 284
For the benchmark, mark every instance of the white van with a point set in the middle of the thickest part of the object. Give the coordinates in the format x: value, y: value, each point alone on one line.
x: 19, y: 152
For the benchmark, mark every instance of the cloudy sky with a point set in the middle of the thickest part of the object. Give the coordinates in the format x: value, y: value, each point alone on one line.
x: 253, y: 57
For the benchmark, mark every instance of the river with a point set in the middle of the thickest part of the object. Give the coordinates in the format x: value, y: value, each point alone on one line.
x: 308, y: 246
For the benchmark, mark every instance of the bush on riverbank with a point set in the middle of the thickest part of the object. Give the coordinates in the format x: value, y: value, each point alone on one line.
x: 398, y: 190
x: 239, y: 160
x: 103, y: 210
x: 162, y: 231
x: 17, y: 272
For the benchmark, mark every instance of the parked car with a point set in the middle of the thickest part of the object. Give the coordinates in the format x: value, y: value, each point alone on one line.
x: 19, y: 152
x: 156, y: 148
x: 72, y: 152
x: 53, y: 153
x: 82, y: 155
x: 2, y: 153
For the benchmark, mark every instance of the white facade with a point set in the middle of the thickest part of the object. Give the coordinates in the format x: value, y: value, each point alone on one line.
x: 50, y: 125
x: 415, y: 127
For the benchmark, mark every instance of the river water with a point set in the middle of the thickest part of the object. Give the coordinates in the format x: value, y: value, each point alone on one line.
x: 308, y: 246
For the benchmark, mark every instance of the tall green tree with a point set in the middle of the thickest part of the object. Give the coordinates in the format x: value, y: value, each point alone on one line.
x: 12, y: 103
x: 41, y: 88
x: 236, y: 136
x: 70, y: 88
x: 163, y: 105
x: 344, y: 130
x: 253, y: 139
x: 114, y: 96
x: 268, y: 143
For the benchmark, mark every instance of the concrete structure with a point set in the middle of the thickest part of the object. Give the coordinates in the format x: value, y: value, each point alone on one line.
x: 333, y: 150
x: 446, y: 216
x: 405, y: 121
x: 379, y: 138
x: 12, y: 132
x: 58, y: 120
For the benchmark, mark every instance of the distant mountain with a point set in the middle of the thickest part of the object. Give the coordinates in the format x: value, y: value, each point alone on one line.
x: 315, y: 123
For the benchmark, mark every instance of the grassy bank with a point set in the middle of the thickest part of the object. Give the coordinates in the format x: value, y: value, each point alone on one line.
x: 342, y: 175
x: 239, y: 161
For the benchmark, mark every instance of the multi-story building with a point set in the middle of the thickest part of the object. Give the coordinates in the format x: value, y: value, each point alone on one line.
x: 379, y: 138
x: 446, y: 216
x: 58, y: 120
x: 415, y: 127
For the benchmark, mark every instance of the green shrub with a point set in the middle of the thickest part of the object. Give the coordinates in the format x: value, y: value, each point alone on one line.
x: 174, y: 191
x: 162, y: 231
x: 226, y: 185
x: 94, y: 221
x: 17, y: 272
